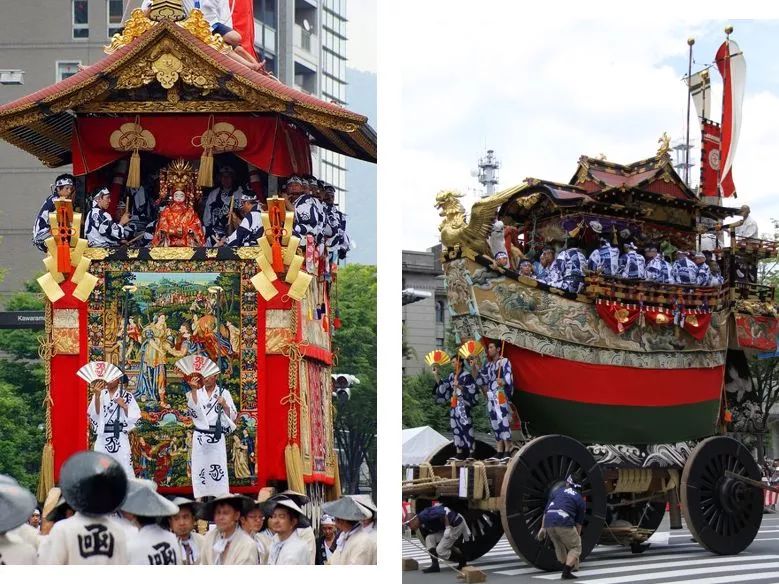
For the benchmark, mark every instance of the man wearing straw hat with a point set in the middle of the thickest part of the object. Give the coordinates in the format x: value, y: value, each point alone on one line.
x: 227, y: 544
x: 287, y: 547
x: 213, y: 415
x: 355, y: 545
x: 369, y: 507
x: 182, y: 524
x: 252, y: 521
x: 153, y: 545
x: 94, y: 485
x: 16, y: 506
x: 113, y: 413
x: 55, y: 508
x: 304, y: 529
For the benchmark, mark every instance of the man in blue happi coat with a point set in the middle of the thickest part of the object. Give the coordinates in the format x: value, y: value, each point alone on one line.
x: 63, y: 187
x: 460, y: 393
x: 567, y: 271
x: 632, y: 264
x: 496, y: 382
x: 684, y: 270
x: 442, y: 529
x: 544, y: 263
x: 562, y: 523
x: 657, y: 268
x: 703, y: 274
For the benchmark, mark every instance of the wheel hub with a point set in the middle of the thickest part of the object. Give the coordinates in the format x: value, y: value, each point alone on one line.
x: 732, y: 495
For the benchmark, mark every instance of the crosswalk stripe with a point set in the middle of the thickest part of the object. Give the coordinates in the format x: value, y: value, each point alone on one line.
x: 733, y: 578
x: 675, y: 573
x: 661, y: 565
x: 612, y: 562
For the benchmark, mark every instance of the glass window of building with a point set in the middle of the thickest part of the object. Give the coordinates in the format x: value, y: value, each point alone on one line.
x: 80, y: 19
x: 115, y: 10
x: 66, y: 69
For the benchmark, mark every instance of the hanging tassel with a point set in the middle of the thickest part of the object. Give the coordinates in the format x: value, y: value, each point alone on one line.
x: 337, y: 320
x: 294, y: 465
x: 134, y: 173
x: 278, y: 257
x: 205, y: 174
x: 46, y: 478
x: 334, y: 491
x: 325, y: 323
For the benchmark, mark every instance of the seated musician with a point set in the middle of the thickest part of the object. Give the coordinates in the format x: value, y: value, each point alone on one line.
x: 716, y: 274
x: 657, y: 268
x: 567, y: 271
x: 526, y: 268
x: 308, y: 219
x: 703, y: 273
x: 178, y: 224
x: 604, y: 259
x: 631, y: 264
x: 100, y: 229
x: 541, y: 267
x: 250, y: 229
x: 684, y: 270
x: 219, y: 203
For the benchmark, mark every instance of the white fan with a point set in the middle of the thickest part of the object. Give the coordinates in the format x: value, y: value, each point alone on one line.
x: 197, y: 364
x: 93, y: 370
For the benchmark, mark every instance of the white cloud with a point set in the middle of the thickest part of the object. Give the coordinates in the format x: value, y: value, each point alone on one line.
x: 543, y: 93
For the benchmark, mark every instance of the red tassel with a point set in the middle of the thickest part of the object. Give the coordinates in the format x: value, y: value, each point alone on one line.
x: 325, y: 323
x: 336, y: 323
x: 278, y: 260
x: 63, y: 257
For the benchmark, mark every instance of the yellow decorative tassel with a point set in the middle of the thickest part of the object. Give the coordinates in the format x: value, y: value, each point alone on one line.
x: 334, y: 491
x: 134, y: 173
x: 205, y: 175
x: 294, y: 464
x: 46, y: 478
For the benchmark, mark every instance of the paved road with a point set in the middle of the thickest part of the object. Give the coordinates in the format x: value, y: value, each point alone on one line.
x: 672, y: 558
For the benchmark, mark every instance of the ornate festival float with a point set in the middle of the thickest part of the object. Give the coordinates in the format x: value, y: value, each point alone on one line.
x: 164, y: 109
x: 625, y: 384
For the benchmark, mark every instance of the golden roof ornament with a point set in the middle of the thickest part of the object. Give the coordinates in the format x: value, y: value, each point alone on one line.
x: 167, y: 10
x: 135, y: 26
x: 665, y: 145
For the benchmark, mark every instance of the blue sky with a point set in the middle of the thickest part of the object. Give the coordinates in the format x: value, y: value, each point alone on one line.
x: 542, y: 91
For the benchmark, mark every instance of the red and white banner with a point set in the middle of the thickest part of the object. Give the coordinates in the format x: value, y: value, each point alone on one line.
x: 732, y: 67
x: 710, y: 158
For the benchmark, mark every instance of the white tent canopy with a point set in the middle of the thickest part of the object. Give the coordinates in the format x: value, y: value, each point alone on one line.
x: 420, y: 443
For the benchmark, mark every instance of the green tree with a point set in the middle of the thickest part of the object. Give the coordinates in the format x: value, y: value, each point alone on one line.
x: 21, y: 395
x: 355, y: 346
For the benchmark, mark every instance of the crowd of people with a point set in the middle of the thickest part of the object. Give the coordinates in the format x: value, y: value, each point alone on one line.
x: 228, y: 215
x: 567, y: 269
x: 97, y: 515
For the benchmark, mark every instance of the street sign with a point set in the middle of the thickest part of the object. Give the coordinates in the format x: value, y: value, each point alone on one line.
x: 27, y: 319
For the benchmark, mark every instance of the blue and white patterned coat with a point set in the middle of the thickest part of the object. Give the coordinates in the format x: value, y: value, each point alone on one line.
x: 308, y: 219
x: 248, y: 232
x: 658, y: 270
x: 540, y: 272
x: 567, y: 270
x: 605, y: 259
x: 41, y: 230
x: 499, y: 414
x: 703, y: 275
x: 460, y: 419
x: 685, y: 271
x: 216, y: 211
x: 632, y: 265
x: 101, y: 230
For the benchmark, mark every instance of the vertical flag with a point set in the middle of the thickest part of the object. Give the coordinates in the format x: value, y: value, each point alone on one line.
x: 243, y: 22
x: 700, y: 90
x: 710, y: 158
x: 732, y: 67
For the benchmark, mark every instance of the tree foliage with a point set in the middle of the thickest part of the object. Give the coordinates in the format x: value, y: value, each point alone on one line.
x: 21, y: 396
x: 356, y: 348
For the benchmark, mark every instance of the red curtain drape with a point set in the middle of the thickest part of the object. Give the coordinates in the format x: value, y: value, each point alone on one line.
x: 273, y: 145
x: 243, y: 23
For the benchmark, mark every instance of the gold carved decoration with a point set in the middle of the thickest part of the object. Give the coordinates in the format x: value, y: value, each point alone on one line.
x: 251, y: 252
x: 167, y: 68
x: 198, y: 26
x: 167, y: 10
x: 96, y: 253
x: 144, y: 107
x: 171, y: 253
x: 473, y: 235
x: 665, y: 145
x: 135, y: 26
x: 66, y: 341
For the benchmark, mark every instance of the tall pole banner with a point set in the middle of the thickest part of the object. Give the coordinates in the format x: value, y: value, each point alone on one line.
x: 710, y: 158
x: 732, y: 67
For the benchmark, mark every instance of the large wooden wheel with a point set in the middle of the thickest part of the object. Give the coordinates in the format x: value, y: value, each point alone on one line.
x: 541, y: 466
x: 481, y: 451
x: 486, y: 528
x: 723, y: 514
